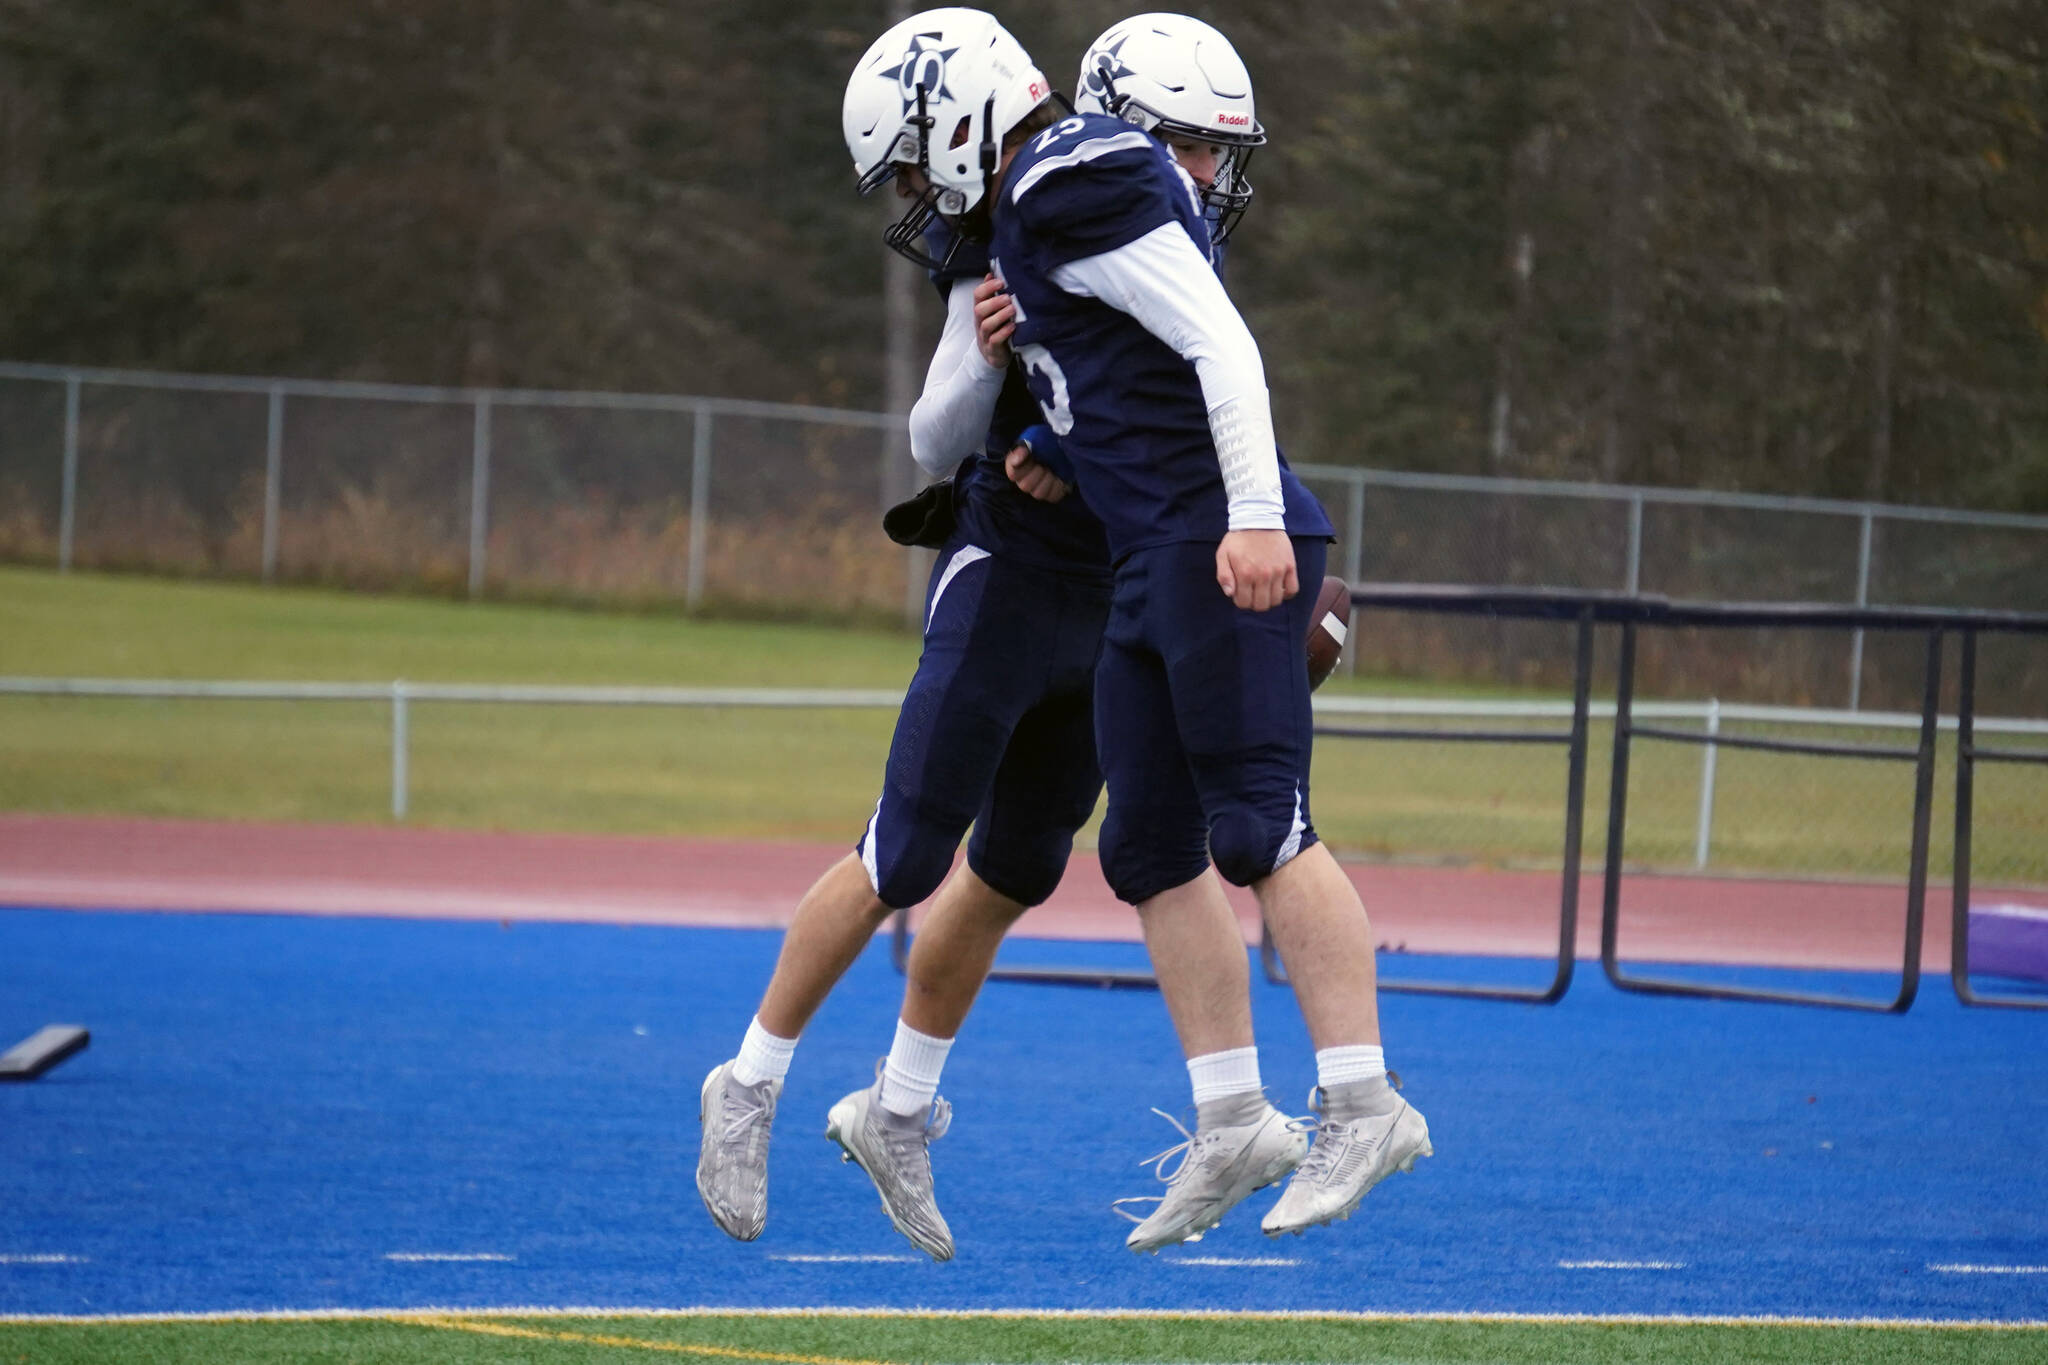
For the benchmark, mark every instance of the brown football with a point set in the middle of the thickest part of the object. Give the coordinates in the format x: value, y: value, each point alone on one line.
x: 1327, y: 630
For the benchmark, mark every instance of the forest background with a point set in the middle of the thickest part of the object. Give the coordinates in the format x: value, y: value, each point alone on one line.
x: 1720, y: 244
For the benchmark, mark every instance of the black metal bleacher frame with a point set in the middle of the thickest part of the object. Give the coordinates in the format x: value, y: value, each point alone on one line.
x: 1583, y: 610
x: 1937, y: 623
x: 1681, y: 614
x: 1968, y: 755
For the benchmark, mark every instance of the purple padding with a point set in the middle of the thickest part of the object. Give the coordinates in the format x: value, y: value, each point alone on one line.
x: 2010, y: 940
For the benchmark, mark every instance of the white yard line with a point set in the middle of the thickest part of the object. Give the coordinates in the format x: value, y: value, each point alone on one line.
x: 438, y: 1256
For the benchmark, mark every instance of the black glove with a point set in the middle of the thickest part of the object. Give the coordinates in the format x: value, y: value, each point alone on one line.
x: 924, y: 519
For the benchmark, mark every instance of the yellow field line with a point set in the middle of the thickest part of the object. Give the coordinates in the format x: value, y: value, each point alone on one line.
x: 1355, y: 1316
x: 499, y: 1329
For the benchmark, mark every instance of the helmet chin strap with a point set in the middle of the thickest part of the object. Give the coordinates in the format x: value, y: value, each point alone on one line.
x: 924, y: 133
x: 991, y: 151
x: 1110, y: 102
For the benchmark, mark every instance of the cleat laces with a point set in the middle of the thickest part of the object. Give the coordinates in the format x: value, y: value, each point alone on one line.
x: 1194, y: 1150
x: 738, y: 1114
x: 904, y: 1141
x: 1335, y: 1149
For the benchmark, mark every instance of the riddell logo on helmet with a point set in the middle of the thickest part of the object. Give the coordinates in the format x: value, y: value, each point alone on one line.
x: 1230, y: 120
x: 1039, y: 90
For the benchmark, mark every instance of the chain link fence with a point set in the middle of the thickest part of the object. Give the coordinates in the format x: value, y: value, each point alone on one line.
x: 708, y: 502
x: 722, y: 505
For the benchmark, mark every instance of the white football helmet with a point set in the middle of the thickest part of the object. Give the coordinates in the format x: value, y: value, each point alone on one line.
x: 937, y: 92
x: 1172, y: 74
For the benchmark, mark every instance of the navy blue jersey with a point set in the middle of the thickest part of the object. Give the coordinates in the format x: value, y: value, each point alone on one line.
x: 993, y: 512
x: 1129, y: 410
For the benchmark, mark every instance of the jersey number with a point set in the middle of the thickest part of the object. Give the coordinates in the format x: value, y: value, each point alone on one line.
x: 1049, y: 386
x: 1058, y: 131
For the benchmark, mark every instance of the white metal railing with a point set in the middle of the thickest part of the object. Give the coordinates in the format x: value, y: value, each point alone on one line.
x: 400, y: 695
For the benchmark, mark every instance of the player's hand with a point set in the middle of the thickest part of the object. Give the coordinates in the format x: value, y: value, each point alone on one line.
x: 995, y: 317
x: 1255, y: 569
x: 1033, y: 477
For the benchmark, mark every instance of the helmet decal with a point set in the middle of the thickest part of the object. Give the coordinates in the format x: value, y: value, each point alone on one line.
x: 1101, y: 78
x: 924, y: 64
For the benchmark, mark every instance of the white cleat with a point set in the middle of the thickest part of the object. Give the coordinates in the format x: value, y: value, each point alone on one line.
x: 1345, y: 1162
x: 1218, y: 1167
x: 894, y: 1150
x: 732, y: 1153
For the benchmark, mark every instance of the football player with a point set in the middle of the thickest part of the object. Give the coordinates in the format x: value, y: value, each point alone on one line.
x: 1156, y: 389
x: 1182, y: 81
x: 996, y: 730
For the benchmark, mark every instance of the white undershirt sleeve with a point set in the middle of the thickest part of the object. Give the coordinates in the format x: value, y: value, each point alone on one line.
x: 950, y: 419
x: 1164, y: 282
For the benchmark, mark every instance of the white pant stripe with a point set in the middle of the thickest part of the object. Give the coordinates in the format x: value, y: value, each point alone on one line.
x: 867, y: 850
x: 1293, y: 844
x: 962, y: 557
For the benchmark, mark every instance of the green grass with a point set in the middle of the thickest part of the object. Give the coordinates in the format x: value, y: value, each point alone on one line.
x: 789, y: 774
x: 875, y: 1340
x: 100, y: 625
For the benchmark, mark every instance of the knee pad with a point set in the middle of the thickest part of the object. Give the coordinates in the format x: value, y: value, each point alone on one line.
x: 1248, y: 848
x: 906, y: 854
x: 1142, y: 857
x: 1026, y: 869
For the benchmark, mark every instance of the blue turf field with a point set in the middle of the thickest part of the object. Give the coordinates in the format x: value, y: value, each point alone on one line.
x: 272, y: 1108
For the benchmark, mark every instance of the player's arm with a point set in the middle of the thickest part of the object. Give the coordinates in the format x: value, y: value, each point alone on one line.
x: 1165, y: 282
x: 950, y: 419
x: 996, y: 319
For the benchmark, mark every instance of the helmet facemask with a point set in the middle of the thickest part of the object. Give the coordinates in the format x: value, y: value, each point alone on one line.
x: 912, y: 150
x: 1230, y: 193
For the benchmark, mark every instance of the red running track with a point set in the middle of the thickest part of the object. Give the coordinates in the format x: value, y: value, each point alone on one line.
x: 175, y: 865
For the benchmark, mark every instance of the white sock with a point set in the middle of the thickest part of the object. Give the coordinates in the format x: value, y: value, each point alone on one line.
x: 1220, y: 1074
x: 1345, y: 1065
x: 910, y: 1078
x: 763, y: 1056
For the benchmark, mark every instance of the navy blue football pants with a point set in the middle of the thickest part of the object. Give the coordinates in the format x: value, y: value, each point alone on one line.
x: 1203, y: 724
x: 997, y: 730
